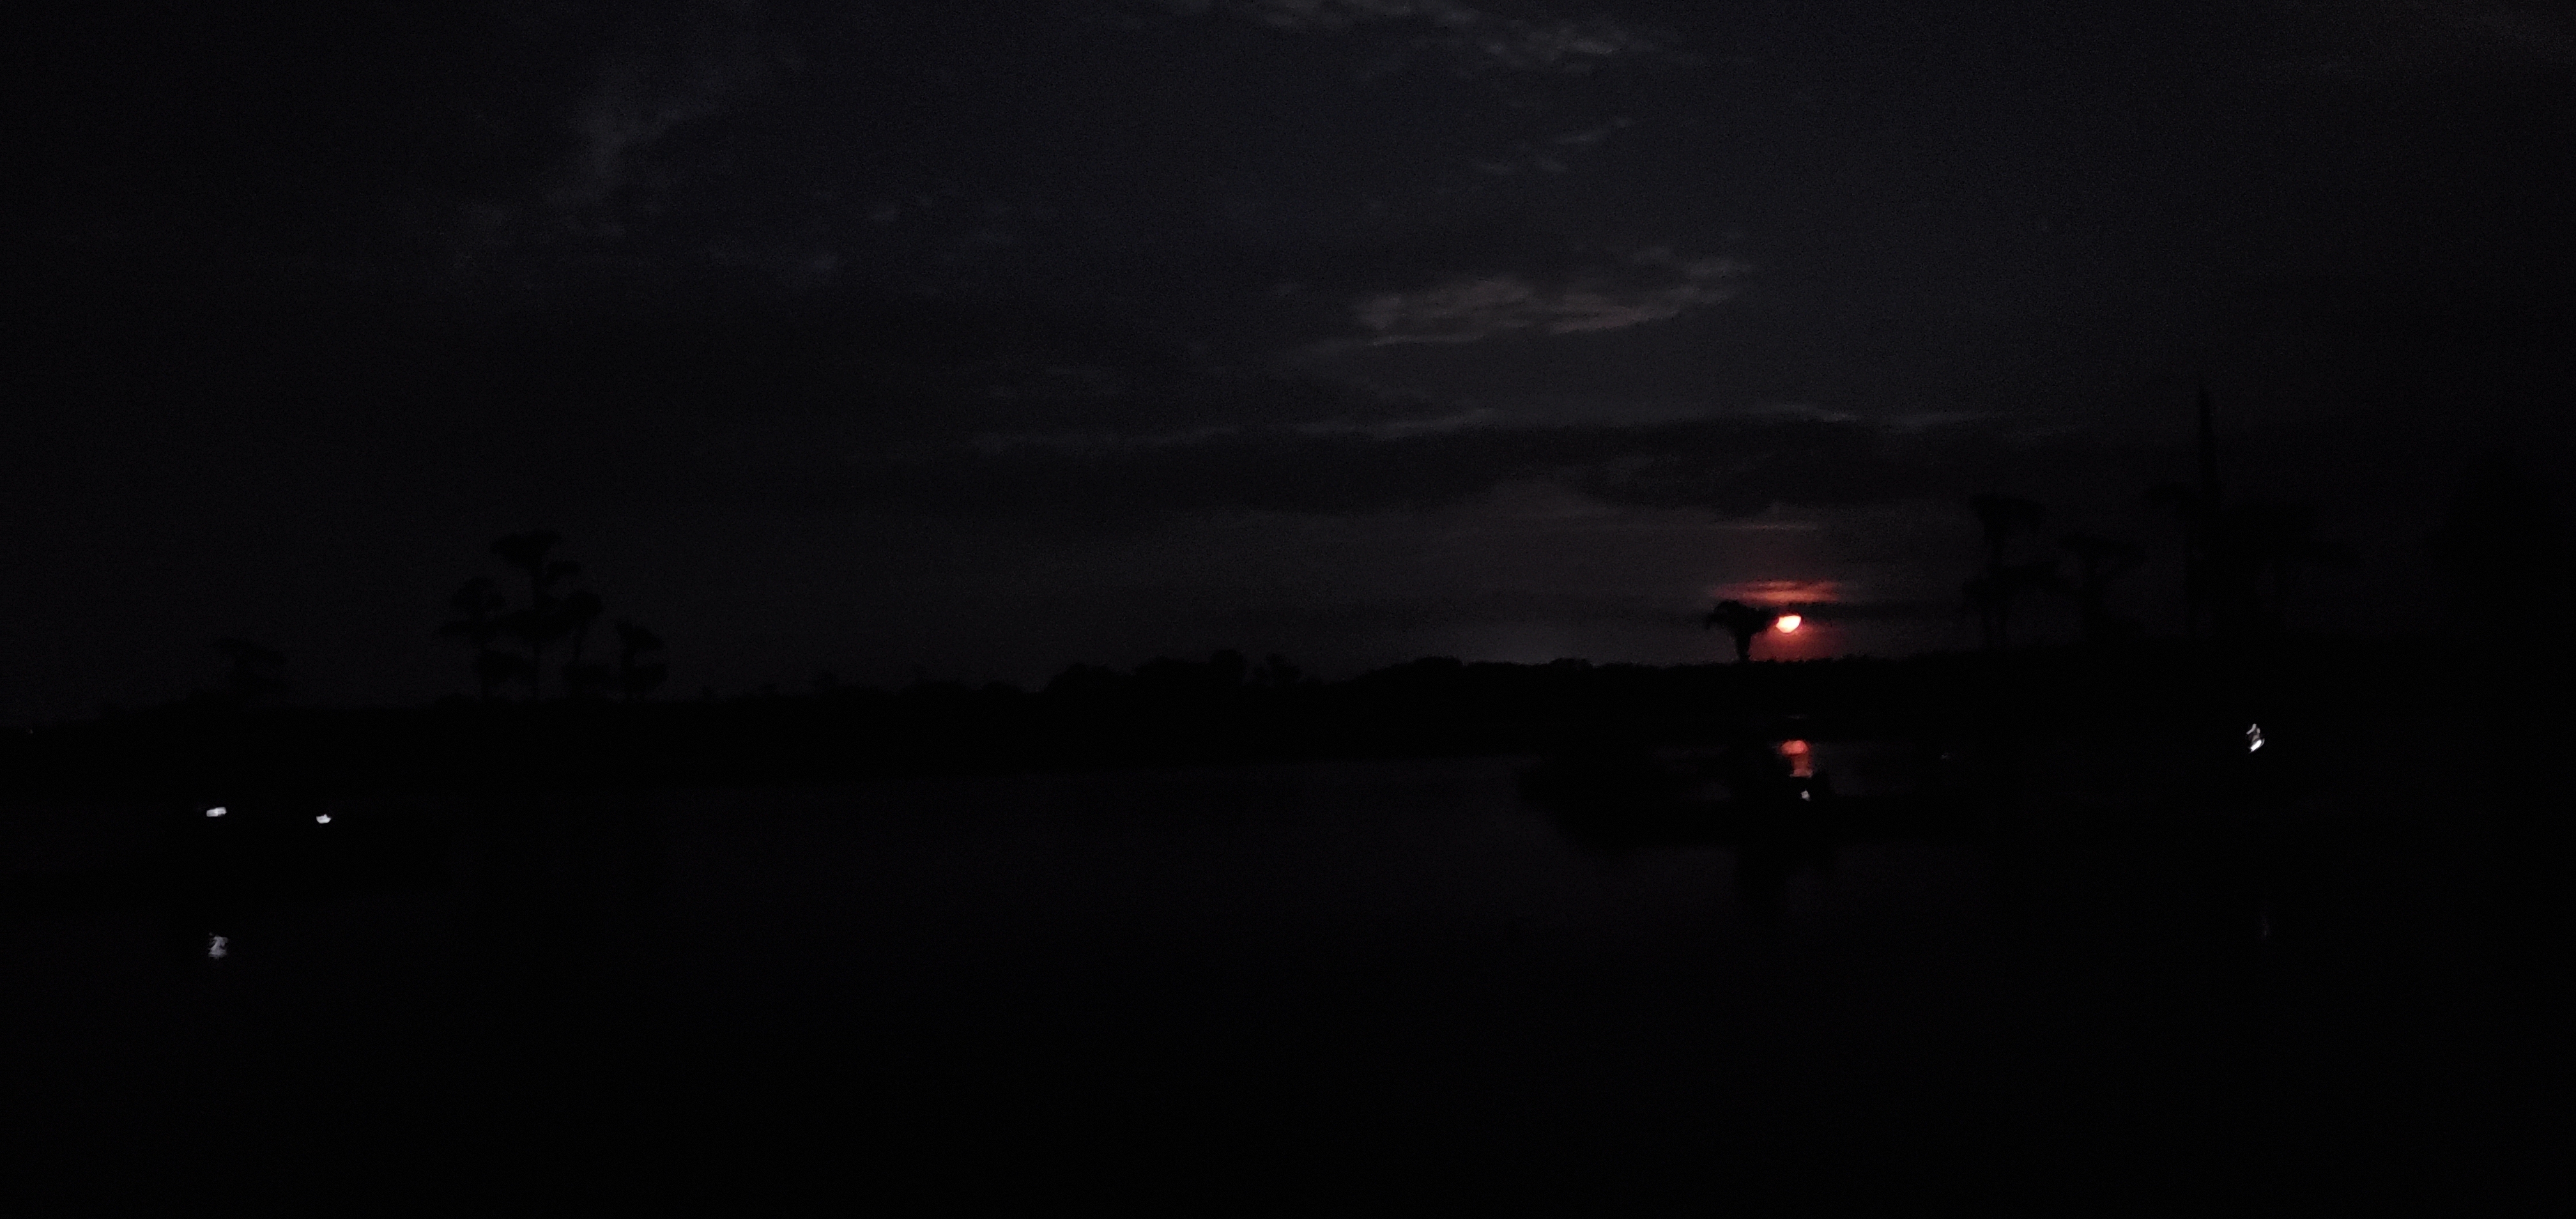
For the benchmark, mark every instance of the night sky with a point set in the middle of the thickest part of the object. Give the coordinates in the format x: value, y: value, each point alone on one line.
x: 963, y: 342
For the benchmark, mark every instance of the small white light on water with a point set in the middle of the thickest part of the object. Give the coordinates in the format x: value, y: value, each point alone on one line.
x: 215, y: 948
x: 2253, y: 737
x: 216, y: 811
x: 1806, y: 795
x: 324, y: 819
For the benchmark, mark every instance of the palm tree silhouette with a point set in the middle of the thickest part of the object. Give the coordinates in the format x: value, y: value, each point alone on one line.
x: 1742, y: 623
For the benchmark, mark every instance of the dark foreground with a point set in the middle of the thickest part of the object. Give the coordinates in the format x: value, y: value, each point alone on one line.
x: 1284, y: 987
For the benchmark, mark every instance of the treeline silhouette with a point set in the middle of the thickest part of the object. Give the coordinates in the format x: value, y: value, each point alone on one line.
x: 1174, y: 712
x: 2242, y: 558
x: 585, y: 718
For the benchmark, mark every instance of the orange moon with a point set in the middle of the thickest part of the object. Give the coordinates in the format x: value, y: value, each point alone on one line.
x: 1788, y: 623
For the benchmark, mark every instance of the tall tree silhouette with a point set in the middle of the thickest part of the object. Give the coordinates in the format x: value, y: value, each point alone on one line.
x: 2099, y: 561
x: 1742, y: 623
x: 1994, y: 590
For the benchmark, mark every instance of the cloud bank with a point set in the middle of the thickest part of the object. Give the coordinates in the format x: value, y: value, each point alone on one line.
x: 1469, y: 38
x: 1649, y: 286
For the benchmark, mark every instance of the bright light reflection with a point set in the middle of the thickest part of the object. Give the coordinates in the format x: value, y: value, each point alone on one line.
x: 324, y: 819
x: 216, y: 811
x: 216, y: 948
x: 2253, y: 737
x: 1787, y: 623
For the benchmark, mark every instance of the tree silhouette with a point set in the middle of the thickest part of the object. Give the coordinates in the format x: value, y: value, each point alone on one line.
x: 2196, y: 512
x: 2198, y: 507
x: 1742, y: 623
x: 639, y: 661
x: 2258, y: 552
x: 558, y: 611
x: 1995, y: 590
x: 581, y: 679
x: 2241, y: 558
x: 480, y: 617
x: 2000, y: 517
x: 257, y: 675
x: 2099, y: 561
x: 541, y: 621
x: 1276, y: 672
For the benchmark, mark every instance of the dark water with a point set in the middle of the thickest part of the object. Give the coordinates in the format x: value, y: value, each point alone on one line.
x: 1271, y: 988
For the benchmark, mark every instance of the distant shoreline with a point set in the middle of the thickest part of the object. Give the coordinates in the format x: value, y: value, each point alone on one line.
x: 1182, y: 713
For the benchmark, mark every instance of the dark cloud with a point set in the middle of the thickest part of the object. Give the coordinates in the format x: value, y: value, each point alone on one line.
x: 1647, y: 286
x: 1511, y: 36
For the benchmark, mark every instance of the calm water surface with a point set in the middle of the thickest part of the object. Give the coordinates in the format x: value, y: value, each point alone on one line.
x: 1284, y: 980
